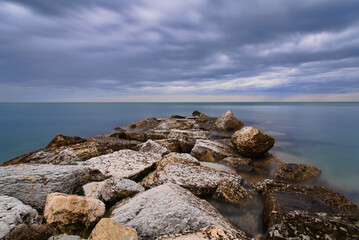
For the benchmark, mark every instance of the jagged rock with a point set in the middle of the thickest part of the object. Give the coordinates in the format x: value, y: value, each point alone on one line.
x: 116, y: 188
x: 175, y: 123
x: 144, y: 124
x: 266, y: 185
x: 296, y: 172
x: 32, y: 183
x: 129, y: 135
x: 92, y: 147
x: 239, y: 163
x: 178, y: 116
x: 61, y: 140
x: 151, y: 146
x: 157, y: 134
x: 66, y: 237
x: 73, y: 214
x: 219, y: 167
x: 187, y: 138
x: 108, y: 229
x: 93, y: 189
x: 250, y: 142
x: 216, y: 149
x: 13, y: 212
x: 198, y: 179
x: 169, y: 209
x: 230, y: 191
x: 31, y: 232
x: 184, y: 158
x: 173, y: 145
x: 229, y: 122
x: 125, y: 163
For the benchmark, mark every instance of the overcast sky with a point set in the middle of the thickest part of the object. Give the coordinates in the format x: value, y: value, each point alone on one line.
x: 185, y: 50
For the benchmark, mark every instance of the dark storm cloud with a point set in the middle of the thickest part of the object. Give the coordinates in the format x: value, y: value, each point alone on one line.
x: 55, y: 50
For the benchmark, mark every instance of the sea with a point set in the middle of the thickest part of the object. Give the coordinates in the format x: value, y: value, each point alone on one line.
x: 325, y: 135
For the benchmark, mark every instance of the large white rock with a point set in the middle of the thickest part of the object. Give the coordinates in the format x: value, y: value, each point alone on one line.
x: 229, y: 122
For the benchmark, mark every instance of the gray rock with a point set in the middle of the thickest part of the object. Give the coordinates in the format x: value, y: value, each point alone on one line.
x: 66, y: 237
x: 13, y: 212
x: 116, y: 188
x: 169, y: 209
x: 93, y: 189
x: 229, y: 122
x: 32, y: 183
x: 188, y: 135
x: 151, y: 146
x: 250, y: 142
x: 217, y: 149
x: 125, y: 163
x: 177, y: 123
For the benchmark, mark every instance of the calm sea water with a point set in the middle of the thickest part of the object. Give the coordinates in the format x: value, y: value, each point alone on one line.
x: 322, y: 134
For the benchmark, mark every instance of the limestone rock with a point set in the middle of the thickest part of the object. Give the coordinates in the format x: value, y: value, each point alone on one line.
x: 176, y: 123
x: 13, y: 212
x: 73, y: 214
x: 31, y: 232
x: 125, y: 163
x: 151, y: 146
x: 61, y: 140
x: 129, y: 135
x: 173, y: 145
x: 184, y: 158
x: 93, y: 189
x: 230, y: 191
x: 229, y: 122
x: 216, y: 149
x: 66, y: 237
x: 32, y: 183
x: 296, y: 172
x: 188, y: 135
x: 239, y: 163
x: 108, y: 229
x: 144, y: 124
x: 116, y: 188
x: 157, y: 134
x: 169, y: 209
x: 219, y: 167
x: 250, y: 142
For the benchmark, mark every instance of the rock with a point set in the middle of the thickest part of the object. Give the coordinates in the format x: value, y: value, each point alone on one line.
x: 169, y: 209
x: 13, y: 212
x: 116, y: 188
x: 229, y: 122
x: 173, y: 145
x: 296, y: 172
x: 125, y: 163
x: 73, y: 214
x: 61, y: 140
x: 151, y: 146
x: 32, y: 183
x: 129, y: 135
x: 187, y: 138
x: 250, y: 142
x: 178, y: 116
x: 157, y: 134
x: 179, y: 124
x: 183, y: 158
x: 239, y: 163
x: 31, y: 232
x: 199, y: 180
x: 108, y: 229
x: 66, y: 237
x: 92, y: 147
x: 93, y: 189
x: 144, y: 124
x: 216, y: 149
x: 230, y: 191
x: 196, y: 113
x: 219, y: 167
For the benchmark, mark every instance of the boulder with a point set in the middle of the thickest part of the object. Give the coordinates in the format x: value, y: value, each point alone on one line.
x: 31, y: 232
x: 129, y: 135
x: 229, y: 122
x: 169, y: 209
x: 32, y: 183
x: 157, y: 134
x: 188, y: 135
x: 296, y: 172
x: 176, y: 123
x: 183, y: 158
x: 230, y: 191
x: 13, y: 212
x: 108, y: 229
x: 219, y: 167
x: 151, y: 146
x: 144, y: 124
x: 217, y: 150
x: 73, y: 214
x: 61, y: 140
x: 66, y: 237
x: 116, y: 188
x: 173, y: 145
x: 93, y: 189
x: 125, y: 163
x: 239, y: 163
x: 250, y: 142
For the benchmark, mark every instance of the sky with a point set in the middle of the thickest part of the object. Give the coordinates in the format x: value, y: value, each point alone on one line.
x: 179, y: 50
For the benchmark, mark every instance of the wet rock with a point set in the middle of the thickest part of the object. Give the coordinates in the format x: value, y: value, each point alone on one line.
x: 108, y: 229
x: 229, y: 122
x: 179, y: 209
x: 151, y: 146
x: 61, y: 140
x: 66, y: 237
x: 250, y: 142
x: 32, y: 183
x: 144, y: 124
x: 129, y: 135
x: 93, y: 189
x: 73, y: 214
x: 296, y: 172
x: 217, y: 150
x: 13, y: 212
x: 31, y: 232
x: 125, y: 163
x: 116, y: 188
x: 239, y: 163
x: 266, y: 185
x: 230, y: 191
x: 219, y: 167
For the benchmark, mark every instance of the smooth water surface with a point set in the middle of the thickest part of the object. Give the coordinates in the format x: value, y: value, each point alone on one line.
x: 322, y: 134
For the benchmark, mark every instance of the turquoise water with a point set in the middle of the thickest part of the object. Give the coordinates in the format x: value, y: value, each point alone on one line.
x: 322, y: 134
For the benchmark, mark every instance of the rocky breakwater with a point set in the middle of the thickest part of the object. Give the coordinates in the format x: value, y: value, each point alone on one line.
x: 154, y: 179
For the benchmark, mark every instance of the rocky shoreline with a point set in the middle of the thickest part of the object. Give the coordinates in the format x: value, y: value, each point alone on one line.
x: 157, y: 178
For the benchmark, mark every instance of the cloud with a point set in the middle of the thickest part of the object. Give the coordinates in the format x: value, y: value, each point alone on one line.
x: 275, y: 49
